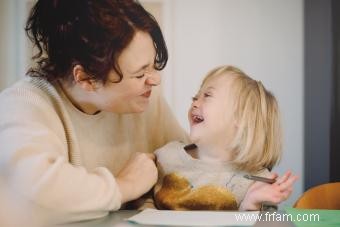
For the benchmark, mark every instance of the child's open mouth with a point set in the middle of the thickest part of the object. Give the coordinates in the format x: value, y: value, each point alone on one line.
x: 196, y: 119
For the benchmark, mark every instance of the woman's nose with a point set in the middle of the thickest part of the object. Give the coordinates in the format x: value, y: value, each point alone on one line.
x: 154, y: 78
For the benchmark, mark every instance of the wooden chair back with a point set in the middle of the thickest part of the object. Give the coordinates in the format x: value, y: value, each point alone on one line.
x: 324, y: 196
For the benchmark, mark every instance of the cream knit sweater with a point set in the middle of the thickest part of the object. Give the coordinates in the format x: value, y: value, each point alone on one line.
x: 65, y: 160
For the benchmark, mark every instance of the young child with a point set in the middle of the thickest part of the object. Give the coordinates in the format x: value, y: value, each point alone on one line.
x: 235, y: 128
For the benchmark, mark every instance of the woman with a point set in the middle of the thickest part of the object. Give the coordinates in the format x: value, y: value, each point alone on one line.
x: 76, y: 135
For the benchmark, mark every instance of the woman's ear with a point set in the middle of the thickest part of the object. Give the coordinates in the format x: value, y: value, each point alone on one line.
x: 82, y: 79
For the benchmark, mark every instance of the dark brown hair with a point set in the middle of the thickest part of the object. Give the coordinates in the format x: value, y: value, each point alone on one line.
x: 91, y: 33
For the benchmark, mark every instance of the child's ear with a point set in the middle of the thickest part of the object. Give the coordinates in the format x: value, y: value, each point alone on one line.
x: 82, y: 79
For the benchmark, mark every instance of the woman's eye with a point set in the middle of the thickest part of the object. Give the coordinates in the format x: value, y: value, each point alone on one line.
x: 207, y: 95
x: 194, y: 98
x: 140, y: 77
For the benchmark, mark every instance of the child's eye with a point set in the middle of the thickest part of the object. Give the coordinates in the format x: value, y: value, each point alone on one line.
x: 194, y: 98
x: 140, y: 77
x: 207, y: 95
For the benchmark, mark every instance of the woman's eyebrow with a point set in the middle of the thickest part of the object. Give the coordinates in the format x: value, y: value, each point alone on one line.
x: 140, y: 69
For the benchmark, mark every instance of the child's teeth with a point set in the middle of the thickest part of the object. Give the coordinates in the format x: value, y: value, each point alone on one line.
x: 198, y: 118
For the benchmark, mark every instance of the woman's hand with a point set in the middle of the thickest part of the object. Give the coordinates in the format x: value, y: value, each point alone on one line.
x: 137, y: 177
x: 260, y: 192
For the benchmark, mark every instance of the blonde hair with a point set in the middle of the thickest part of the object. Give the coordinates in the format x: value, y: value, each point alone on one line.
x: 258, y: 139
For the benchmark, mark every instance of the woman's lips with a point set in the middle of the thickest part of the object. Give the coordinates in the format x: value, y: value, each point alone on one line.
x: 147, y: 94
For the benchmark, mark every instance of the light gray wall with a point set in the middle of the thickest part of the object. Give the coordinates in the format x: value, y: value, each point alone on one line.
x: 14, y: 58
x: 7, y: 42
x: 262, y: 37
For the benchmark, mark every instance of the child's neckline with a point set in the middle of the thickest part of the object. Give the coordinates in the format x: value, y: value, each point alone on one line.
x: 191, y: 149
x: 190, y: 153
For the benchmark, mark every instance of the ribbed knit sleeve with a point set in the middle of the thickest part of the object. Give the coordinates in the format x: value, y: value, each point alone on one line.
x: 36, y: 162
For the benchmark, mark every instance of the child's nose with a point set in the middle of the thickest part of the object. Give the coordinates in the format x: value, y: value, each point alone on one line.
x: 196, y: 103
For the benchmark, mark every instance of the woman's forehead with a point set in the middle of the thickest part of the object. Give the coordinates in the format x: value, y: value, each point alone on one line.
x: 138, y: 54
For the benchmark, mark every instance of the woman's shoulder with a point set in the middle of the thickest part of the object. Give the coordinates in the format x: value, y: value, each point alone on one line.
x: 30, y: 88
x: 29, y: 95
x: 33, y: 103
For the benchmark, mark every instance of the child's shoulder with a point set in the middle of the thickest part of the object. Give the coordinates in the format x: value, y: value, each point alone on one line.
x: 172, y: 152
x: 172, y: 157
x: 171, y: 147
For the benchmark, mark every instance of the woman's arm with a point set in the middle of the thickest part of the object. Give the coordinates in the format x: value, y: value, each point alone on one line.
x: 34, y: 160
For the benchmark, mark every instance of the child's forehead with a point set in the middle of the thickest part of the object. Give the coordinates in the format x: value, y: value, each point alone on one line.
x: 223, y: 79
